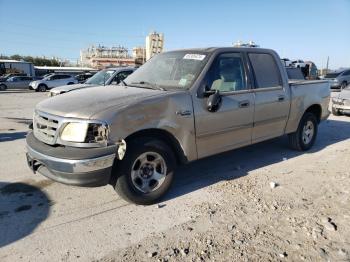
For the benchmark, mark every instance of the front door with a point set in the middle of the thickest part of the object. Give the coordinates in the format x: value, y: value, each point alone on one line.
x: 231, y: 125
x: 272, y: 98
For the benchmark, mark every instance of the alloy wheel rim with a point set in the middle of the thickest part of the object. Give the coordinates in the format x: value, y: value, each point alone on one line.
x: 148, y: 172
x: 308, y: 132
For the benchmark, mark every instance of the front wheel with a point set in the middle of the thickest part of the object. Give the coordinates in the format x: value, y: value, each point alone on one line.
x: 305, y: 136
x: 146, y: 172
x: 41, y: 88
x: 335, y: 112
x: 3, y: 87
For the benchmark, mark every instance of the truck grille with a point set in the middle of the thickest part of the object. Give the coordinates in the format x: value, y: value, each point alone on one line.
x: 45, y: 127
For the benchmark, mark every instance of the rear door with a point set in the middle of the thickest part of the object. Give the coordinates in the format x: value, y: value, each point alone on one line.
x: 65, y: 79
x: 231, y: 125
x: 271, y: 97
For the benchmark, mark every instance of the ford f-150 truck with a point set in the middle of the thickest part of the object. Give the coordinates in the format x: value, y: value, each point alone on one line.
x: 178, y: 107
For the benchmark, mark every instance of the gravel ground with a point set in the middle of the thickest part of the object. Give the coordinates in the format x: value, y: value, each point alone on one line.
x: 263, y: 202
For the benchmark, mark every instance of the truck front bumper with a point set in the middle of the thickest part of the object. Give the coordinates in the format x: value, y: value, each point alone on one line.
x: 69, y: 165
x: 345, y: 109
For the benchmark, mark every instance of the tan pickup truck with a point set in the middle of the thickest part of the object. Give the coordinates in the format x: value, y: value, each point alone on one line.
x: 178, y: 107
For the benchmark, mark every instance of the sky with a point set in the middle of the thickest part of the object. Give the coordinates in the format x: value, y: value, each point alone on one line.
x: 296, y: 29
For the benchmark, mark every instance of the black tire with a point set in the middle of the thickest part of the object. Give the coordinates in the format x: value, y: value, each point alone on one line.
x: 3, y: 87
x: 335, y: 112
x: 70, y: 83
x: 296, y: 141
x: 121, y: 174
x: 42, y: 88
x: 343, y: 85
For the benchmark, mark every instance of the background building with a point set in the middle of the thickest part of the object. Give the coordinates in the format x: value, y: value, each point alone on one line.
x: 139, y: 54
x: 154, y: 44
x: 101, y: 57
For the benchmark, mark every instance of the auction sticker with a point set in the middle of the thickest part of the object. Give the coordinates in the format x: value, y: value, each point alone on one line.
x: 194, y: 57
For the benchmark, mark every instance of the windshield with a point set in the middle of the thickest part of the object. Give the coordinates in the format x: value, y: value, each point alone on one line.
x: 100, y: 78
x: 332, y: 75
x: 47, y: 77
x: 176, y: 69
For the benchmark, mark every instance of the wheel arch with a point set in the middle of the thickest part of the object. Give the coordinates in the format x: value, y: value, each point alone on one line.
x: 165, y: 137
x: 316, y: 109
x: 43, y: 84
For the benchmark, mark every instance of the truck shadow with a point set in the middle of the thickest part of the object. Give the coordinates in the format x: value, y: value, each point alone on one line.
x: 21, y: 120
x: 23, y: 207
x: 6, y: 137
x: 237, y: 163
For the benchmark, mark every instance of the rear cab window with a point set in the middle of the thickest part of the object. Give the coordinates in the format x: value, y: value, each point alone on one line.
x: 265, y: 70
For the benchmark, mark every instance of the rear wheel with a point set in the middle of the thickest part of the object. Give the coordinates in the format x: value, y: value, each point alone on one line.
x: 42, y: 88
x: 146, y: 172
x: 3, y: 87
x: 70, y: 83
x: 304, y: 138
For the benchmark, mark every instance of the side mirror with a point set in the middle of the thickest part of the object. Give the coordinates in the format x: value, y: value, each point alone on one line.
x: 214, y: 102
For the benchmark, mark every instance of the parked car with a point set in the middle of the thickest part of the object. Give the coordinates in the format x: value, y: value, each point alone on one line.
x: 299, y: 63
x: 104, y: 77
x: 16, y: 82
x: 51, y: 81
x: 339, y: 79
x: 294, y: 74
x: 83, y: 77
x: 311, y: 71
x: 286, y: 62
x: 7, y: 76
x: 341, y: 103
x: 178, y: 107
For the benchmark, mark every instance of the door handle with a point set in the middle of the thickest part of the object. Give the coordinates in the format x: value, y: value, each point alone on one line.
x: 244, y: 103
x: 281, y: 98
x: 183, y: 113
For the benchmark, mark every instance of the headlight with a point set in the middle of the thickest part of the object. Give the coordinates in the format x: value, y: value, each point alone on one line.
x: 51, y: 93
x: 74, y: 132
x: 90, y: 133
x: 337, y: 100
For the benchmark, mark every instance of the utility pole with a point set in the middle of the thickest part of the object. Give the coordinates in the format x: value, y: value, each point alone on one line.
x: 327, y: 64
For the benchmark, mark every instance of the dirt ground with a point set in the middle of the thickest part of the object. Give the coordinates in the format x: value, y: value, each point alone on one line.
x: 264, y: 202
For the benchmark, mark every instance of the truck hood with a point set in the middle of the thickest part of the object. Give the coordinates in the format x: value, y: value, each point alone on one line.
x: 86, y: 102
x: 67, y: 88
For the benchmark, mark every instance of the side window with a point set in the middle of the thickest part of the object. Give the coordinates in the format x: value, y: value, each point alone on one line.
x: 227, y: 73
x: 65, y: 76
x: 265, y: 70
x: 55, y: 77
x: 347, y: 73
x: 121, y: 76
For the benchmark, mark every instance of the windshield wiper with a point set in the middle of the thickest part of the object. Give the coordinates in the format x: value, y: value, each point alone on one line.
x: 149, y: 85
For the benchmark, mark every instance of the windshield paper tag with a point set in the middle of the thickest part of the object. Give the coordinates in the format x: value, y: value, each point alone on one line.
x: 194, y: 57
